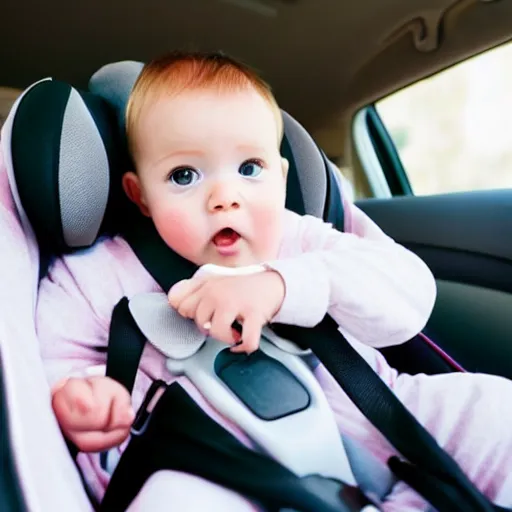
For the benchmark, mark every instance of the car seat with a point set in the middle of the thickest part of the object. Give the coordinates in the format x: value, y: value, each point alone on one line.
x: 67, y: 132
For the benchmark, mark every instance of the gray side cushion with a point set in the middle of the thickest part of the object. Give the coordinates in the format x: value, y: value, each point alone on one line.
x: 82, y: 160
x: 308, y: 164
x: 114, y: 83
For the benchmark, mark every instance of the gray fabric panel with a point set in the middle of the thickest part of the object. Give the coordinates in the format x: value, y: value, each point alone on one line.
x: 178, y: 337
x: 310, y: 166
x: 114, y: 83
x: 174, y: 336
x: 83, y: 175
x: 372, y: 475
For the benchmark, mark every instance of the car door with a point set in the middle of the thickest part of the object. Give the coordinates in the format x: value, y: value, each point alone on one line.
x: 438, y: 158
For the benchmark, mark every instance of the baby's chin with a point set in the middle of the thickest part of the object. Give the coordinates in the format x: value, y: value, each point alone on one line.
x: 239, y: 260
x: 242, y: 259
x: 241, y: 256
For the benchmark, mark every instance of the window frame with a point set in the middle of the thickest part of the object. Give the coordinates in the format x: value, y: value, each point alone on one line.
x: 376, y: 151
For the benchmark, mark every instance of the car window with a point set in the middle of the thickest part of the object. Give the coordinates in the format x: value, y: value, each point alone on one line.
x: 453, y: 131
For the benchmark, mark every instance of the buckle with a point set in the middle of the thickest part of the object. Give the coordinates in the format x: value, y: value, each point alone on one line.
x: 143, y: 415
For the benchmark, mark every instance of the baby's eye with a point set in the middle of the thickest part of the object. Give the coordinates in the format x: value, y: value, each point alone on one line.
x: 184, y: 176
x: 251, y: 168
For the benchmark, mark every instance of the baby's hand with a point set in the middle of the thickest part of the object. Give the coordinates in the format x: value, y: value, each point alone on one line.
x: 216, y: 301
x: 95, y: 413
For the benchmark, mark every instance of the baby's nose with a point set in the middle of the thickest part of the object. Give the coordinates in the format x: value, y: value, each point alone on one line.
x: 223, y: 197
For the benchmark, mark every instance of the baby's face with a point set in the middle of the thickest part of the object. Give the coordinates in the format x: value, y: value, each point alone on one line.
x: 211, y: 175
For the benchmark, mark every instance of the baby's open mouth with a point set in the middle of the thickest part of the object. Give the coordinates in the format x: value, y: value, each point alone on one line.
x: 225, y: 237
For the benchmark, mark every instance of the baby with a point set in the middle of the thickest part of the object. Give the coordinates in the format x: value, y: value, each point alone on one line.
x: 204, y: 133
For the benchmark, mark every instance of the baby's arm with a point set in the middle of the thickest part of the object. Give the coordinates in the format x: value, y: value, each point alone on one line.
x: 378, y: 292
x: 94, y: 412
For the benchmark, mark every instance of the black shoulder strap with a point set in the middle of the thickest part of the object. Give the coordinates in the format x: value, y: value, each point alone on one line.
x: 383, y: 409
x: 381, y: 406
x: 125, y: 346
x: 163, y: 264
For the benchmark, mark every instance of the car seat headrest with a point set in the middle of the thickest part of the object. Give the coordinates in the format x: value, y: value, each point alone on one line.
x: 69, y: 154
x: 63, y: 153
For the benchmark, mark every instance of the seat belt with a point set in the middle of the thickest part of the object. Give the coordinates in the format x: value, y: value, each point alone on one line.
x: 179, y: 435
x: 363, y: 386
x: 125, y: 346
x: 383, y: 409
x: 429, y: 470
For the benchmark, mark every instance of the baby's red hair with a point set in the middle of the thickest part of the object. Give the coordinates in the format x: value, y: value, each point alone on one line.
x: 179, y: 71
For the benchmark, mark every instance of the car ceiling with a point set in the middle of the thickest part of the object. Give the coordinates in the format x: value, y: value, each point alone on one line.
x: 323, y: 58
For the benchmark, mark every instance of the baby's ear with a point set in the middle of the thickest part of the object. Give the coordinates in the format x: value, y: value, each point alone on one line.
x: 285, y: 165
x: 132, y: 188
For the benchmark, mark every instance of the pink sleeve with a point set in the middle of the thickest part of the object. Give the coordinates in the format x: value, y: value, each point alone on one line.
x: 75, y: 305
x: 379, y: 293
x: 69, y: 331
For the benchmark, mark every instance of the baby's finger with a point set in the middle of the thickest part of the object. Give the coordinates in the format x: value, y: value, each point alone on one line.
x: 251, y: 334
x: 121, y: 410
x: 89, y: 402
x: 204, y: 315
x: 221, y: 325
x: 188, y: 306
x: 74, y: 405
x: 98, y: 441
x: 113, y: 403
x: 184, y: 288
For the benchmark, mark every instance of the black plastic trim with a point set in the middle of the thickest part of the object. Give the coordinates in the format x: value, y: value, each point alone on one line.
x: 263, y: 384
x: 477, y: 222
x: 466, y: 267
x: 387, y: 154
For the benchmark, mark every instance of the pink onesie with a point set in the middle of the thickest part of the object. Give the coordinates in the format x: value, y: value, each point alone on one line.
x: 379, y: 293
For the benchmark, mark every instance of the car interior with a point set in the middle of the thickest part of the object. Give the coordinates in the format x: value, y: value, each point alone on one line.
x: 339, y: 68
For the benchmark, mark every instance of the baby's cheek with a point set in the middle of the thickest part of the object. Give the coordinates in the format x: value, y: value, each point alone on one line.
x: 268, y: 226
x: 179, y: 231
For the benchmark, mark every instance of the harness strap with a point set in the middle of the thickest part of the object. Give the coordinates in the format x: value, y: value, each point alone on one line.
x: 442, y: 495
x: 178, y: 435
x: 385, y: 411
x: 125, y: 346
x: 430, y: 469
x: 357, y: 379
